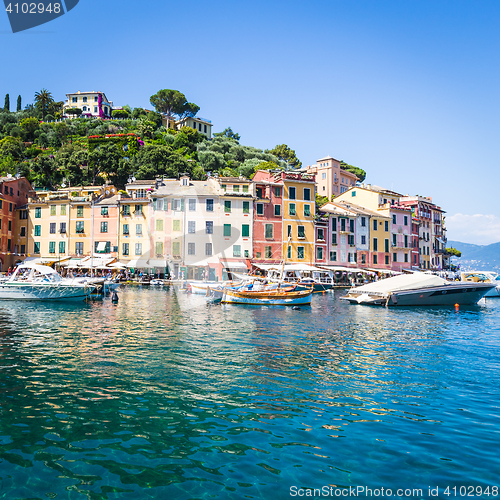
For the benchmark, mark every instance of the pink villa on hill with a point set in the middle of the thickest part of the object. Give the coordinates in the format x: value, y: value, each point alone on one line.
x: 330, y: 178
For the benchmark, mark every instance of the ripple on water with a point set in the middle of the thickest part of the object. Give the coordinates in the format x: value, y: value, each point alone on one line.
x: 163, y: 396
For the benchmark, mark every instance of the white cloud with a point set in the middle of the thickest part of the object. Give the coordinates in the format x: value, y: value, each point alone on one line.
x: 478, y: 229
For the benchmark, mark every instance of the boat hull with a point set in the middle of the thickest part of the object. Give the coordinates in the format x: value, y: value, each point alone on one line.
x: 44, y: 292
x: 448, y: 295
x: 494, y: 292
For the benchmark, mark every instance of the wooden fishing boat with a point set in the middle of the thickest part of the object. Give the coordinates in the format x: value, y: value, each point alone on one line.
x: 275, y: 297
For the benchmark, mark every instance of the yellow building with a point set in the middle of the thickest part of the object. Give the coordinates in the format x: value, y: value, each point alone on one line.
x: 298, y: 216
x: 380, y: 247
x: 59, y: 223
x: 21, y: 235
x: 89, y: 103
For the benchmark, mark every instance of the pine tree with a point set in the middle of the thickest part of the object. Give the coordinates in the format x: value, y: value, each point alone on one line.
x: 6, y: 108
x: 19, y: 103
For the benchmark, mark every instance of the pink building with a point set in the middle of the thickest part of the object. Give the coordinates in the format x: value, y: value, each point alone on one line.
x: 321, y: 240
x: 105, y: 216
x: 342, y: 235
x: 13, y: 220
x: 330, y: 178
x: 401, y: 236
x: 268, y: 219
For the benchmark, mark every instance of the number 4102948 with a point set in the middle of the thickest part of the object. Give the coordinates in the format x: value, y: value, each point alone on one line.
x: 33, y: 8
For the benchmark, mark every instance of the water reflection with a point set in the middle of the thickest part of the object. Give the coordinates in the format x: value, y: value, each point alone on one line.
x: 161, y: 395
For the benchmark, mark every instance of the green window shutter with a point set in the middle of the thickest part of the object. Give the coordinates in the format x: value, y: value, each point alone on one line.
x: 245, y: 230
x: 182, y: 205
x: 62, y: 247
x: 227, y: 229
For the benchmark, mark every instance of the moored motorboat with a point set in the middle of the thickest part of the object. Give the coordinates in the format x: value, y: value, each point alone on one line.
x: 37, y: 282
x: 484, y: 277
x: 276, y: 297
x: 418, y: 289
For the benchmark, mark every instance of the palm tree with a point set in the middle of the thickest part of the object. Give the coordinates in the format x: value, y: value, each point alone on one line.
x: 43, y: 99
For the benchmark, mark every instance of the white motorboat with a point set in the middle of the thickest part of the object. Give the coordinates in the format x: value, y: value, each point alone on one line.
x: 38, y: 282
x: 484, y: 277
x: 418, y: 289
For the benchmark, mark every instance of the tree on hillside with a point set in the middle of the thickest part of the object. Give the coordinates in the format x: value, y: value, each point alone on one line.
x: 284, y: 153
x: 173, y: 103
x: 186, y: 139
x: 29, y: 126
x: 45, y: 172
x: 43, y: 99
x: 103, y: 161
x: 12, y: 146
x: 6, y: 107
x: 228, y: 132
x: 145, y: 127
x: 120, y: 113
x: 156, y: 160
x: 19, y: 108
x: 354, y: 170
x: 72, y: 159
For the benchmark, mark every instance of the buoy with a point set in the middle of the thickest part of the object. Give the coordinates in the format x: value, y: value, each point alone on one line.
x: 295, y: 308
x: 114, y: 298
x: 457, y: 307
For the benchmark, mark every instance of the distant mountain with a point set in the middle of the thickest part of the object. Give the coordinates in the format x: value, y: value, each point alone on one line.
x: 481, y: 257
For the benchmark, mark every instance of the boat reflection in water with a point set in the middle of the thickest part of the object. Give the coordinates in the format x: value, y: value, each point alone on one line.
x: 418, y: 289
x: 38, y: 282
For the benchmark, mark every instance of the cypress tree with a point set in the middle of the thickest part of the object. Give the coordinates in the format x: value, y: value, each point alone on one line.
x: 6, y: 108
x: 19, y: 103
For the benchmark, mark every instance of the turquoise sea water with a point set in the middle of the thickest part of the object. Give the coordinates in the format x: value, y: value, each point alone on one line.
x: 161, y: 396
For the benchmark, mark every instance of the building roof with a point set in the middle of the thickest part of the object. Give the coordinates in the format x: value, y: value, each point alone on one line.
x: 110, y: 200
x: 337, y: 209
x: 234, y: 179
x: 172, y: 187
x: 361, y: 210
x: 327, y: 158
x: 141, y: 183
x: 197, y: 118
x: 378, y: 189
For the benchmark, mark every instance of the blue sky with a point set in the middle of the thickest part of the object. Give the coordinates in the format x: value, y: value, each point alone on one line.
x: 407, y: 90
